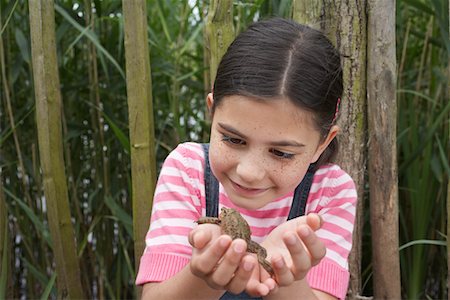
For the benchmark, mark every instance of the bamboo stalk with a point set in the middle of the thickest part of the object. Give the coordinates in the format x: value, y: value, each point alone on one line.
x: 220, y: 32
x: 48, y: 118
x: 140, y: 112
x: 382, y: 151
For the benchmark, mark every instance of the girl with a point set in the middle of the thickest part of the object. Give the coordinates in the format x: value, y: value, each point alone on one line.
x: 274, y: 107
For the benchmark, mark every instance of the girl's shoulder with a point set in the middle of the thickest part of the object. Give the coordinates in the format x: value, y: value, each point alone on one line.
x: 331, y: 178
x: 331, y: 172
x: 189, y: 154
x: 187, y: 158
x: 189, y: 150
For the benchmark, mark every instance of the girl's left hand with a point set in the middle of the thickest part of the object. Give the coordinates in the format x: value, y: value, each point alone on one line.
x: 293, y: 249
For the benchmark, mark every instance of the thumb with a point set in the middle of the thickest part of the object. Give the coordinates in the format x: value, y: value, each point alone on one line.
x: 314, y: 221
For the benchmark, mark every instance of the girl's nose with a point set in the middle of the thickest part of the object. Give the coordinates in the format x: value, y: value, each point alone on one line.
x: 250, y: 168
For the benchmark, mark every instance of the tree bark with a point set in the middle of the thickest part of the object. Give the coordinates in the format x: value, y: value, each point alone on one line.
x: 344, y: 22
x: 48, y: 118
x: 140, y: 114
x: 220, y: 32
x: 382, y: 121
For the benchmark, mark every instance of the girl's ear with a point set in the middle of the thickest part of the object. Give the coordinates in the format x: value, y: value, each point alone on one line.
x: 209, y: 102
x: 324, y: 144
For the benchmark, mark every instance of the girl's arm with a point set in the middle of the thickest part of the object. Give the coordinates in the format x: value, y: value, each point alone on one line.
x: 184, y: 285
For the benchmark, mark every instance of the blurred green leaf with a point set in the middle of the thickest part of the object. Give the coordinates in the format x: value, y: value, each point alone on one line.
x: 23, y: 44
x: 43, y: 230
x: 120, y: 214
x: 49, y: 287
x: 91, y: 36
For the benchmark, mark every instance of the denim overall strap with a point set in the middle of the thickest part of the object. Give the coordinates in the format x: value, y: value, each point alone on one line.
x: 301, y: 194
x: 211, y: 187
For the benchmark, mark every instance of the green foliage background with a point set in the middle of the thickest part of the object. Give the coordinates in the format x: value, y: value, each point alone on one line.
x: 97, y: 146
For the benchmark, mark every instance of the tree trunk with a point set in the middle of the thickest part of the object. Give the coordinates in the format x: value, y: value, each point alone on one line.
x: 220, y: 32
x: 344, y: 22
x: 140, y: 114
x: 382, y: 120
x: 48, y: 118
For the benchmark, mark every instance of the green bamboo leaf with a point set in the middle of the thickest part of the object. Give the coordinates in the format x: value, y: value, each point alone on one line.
x: 444, y: 158
x: 33, y: 217
x: 121, y: 136
x: 420, y: 6
x: 49, y: 287
x: 432, y: 130
x: 120, y: 214
x: 416, y: 93
x: 7, y: 132
x: 91, y: 36
x: 23, y: 45
x: 422, y: 242
x: 84, y: 242
x: 9, y: 17
x: 191, y: 39
x: 162, y: 18
x: 40, y: 276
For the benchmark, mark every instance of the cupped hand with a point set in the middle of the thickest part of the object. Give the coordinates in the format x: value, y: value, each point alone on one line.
x: 221, y: 262
x: 294, y: 248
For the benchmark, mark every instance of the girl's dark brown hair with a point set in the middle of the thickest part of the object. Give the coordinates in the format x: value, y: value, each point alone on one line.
x: 280, y: 58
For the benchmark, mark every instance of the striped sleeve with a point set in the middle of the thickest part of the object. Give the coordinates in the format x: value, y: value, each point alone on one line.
x: 333, y: 197
x: 177, y: 204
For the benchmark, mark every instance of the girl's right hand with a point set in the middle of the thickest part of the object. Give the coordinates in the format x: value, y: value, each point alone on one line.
x: 222, y: 263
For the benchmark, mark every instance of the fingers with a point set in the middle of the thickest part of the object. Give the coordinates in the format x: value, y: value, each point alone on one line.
x: 316, y: 248
x: 204, y: 261
x: 242, y: 275
x: 223, y: 264
x: 225, y: 270
x: 306, y: 250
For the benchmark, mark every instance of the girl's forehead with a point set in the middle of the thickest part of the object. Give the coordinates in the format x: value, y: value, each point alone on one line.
x: 276, y: 117
x: 276, y: 107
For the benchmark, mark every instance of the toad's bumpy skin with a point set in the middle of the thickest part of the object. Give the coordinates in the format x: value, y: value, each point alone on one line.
x: 234, y: 225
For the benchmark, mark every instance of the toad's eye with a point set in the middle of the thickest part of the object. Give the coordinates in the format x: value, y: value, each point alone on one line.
x: 281, y: 154
x: 232, y: 140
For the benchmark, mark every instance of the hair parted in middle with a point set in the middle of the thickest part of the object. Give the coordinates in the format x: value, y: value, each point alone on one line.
x: 279, y: 58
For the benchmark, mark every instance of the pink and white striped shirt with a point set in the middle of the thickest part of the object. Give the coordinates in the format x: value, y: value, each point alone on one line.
x: 180, y: 200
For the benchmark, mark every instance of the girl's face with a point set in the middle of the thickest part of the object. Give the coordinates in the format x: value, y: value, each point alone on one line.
x: 260, y: 150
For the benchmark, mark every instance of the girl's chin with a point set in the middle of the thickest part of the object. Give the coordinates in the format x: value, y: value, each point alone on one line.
x: 248, y: 203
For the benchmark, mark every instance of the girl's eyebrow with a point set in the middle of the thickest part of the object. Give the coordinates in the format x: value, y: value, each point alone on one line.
x: 231, y: 129
x: 281, y: 143
x: 287, y: 143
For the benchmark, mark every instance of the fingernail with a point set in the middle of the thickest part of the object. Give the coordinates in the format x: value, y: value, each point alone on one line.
x: 248, y: 266
x: 223, y: 242
x: 239, y: 248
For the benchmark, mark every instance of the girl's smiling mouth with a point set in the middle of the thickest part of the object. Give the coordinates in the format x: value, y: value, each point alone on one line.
x: 246, y: 191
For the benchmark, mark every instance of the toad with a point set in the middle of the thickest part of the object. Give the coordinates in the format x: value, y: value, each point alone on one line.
x: 234, y: 225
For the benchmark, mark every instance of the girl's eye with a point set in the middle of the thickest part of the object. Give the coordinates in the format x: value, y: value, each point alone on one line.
x: 232, y: 140
x: 281, y: 154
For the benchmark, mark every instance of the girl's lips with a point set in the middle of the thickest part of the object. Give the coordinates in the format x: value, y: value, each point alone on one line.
x: 246, y: 191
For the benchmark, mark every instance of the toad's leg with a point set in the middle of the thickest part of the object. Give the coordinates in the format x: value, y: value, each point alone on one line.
x: 261, y: 253
x: 208, y: 220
